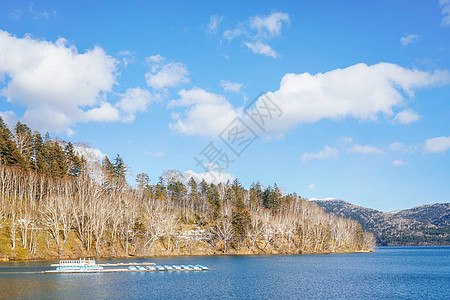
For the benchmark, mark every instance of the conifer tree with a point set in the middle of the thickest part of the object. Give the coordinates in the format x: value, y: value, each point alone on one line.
x: 108, y: 173
x: 120, y: 170
x: 39, y: 155
x: 193, y: 188
x: 161, y: 189
x: 9, y: 154
x: 241, y: 219
x: 204, y: 188
x: 256, y: 193
x: 214, y: 200
x: 57, y: 159
x: 74, y: 163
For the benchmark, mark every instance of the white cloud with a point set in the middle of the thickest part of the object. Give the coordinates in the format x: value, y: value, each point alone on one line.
x: 366, y: 149
x: 232, y: 34
x: 407, y: 116
x: 53, y: 81
x: 410, y: 38
x: 9, y: 117
x: 231, y: 86
x: 397, y: 146
x: 124, y: 53
x: 261, y: 48
x: 134, y: 100
x: 445, y: 6
x: 345, y: 140
x: 399, y: 163
x: 227, y: 57
x: 437, y: 144
x: 47, y: 118
x: 359, y: 91
x: 156, y: 154
x: 126, y: 57
x: 207, y: 113
x: 326, y: 153
x: 311, y: 186
x: 164, y: 76
x: 258, y: 30
x: 213, y: 25
x: 210, y: 177
x: 30, y: 11
x: 154, y: 59
x: 269, y: 26
x: 104, y: 113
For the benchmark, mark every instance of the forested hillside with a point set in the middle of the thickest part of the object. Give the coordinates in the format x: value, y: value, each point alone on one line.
x: 437, y: 214
x: 53, y: 203
x: 422, y: 225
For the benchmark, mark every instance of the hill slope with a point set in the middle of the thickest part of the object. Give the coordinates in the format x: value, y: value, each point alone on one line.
x: 437, y: 214
x: 422, y: 225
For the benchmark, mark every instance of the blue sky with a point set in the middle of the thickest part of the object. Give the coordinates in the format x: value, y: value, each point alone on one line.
x: 362, y: 87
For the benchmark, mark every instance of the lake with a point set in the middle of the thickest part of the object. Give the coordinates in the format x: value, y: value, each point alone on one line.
x: 389, y: 272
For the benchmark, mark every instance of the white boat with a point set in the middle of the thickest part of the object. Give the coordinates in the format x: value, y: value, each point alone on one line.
x: 78, y: 265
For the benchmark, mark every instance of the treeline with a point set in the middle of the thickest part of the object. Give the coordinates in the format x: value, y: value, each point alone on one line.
x: 27, y: 150
x: 61, y: 205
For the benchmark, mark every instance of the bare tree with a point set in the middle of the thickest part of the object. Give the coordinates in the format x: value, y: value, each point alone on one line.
x: 223, y: 228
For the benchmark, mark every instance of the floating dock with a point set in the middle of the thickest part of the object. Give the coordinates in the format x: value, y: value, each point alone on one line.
x: 90, y: 266
x: 160, y: 269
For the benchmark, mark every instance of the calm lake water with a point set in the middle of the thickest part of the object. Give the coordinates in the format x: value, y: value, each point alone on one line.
x: 390, y: 272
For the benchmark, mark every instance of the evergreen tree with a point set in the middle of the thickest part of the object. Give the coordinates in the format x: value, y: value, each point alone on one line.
x: 237, y: 192
x: 39, y: 155
x: 241, y: 220
x: 277, y: 197
x: 74, y: 163
x: 204, y: 188
x: 228, y: 197
x: 57, y: 159
x: 256, y: 193
x: 193, y: 188
x: 177, y: 191
x: 108, y: 173
x: 120, y: 169
x: 272, y: 198
x: 9, y: 154
x: 161, y: 189
x: 214, y: 200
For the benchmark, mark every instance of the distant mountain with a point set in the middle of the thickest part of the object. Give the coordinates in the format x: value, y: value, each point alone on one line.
x: 422, y: 225
x: 437, y: 214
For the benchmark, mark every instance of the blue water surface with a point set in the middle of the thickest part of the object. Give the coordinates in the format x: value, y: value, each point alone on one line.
x: 388, y: 273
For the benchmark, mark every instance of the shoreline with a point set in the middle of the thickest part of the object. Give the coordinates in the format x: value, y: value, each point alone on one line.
x: 3, y: 260
x: 128, y: 257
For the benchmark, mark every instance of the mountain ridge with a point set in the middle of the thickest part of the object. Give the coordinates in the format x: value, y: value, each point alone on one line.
x: 426, y: 225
